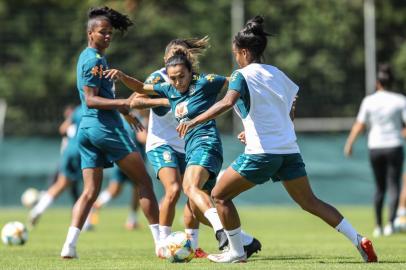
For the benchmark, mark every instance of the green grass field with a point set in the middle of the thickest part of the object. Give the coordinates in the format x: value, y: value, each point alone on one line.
x: 291, y: 239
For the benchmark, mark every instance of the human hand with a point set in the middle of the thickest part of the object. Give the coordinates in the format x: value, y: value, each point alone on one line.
x: 134, y: 122
x: 241, y: 137
x: 184, y: 127
x: 113, y: 74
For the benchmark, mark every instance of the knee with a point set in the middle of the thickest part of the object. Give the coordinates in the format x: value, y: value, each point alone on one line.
x: 310, y: 204
x: 90, y: 194
x: 172, y: 194
x: 218, y: 197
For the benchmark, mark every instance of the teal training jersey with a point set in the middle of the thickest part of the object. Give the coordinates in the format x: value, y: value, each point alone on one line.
x: 90, y: 67
x: 238, y: 83
x: 200, y: 96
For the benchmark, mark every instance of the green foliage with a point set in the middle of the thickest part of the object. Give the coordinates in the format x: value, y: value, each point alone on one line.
x: 318, y: 43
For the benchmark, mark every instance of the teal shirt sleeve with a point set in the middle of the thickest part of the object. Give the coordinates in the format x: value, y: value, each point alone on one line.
x: 154, y: 78
x: 239, y: 84
x: 214, y: 83
x: 93, y: 72
x: 162, y: 89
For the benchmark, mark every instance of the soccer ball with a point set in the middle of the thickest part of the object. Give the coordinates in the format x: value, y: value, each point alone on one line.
x: 179, y: 248
x: 30, y: 197
x: 400, y: 224
x: 14, y: 233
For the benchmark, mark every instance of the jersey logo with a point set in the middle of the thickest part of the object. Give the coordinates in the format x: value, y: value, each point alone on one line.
x: 167, y: 156
x: 98, y: 56
x: 192, y: 89
x: 97, y: 71
x: 234, y: 76
x: 195, y: 77
x: 210, y: 77
x: 181, y: 109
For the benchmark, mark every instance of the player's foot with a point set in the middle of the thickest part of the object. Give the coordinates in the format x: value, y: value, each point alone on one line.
x: 377, y: 232
x: 94, y: 216
x: 366, y: 249
x: 69, y: 252
x: 252, y: 248
x: 227, y: 257
x: 132, y: 225
x: 222, y: 239
x: 88, y: 227
x: 199, y: 253
x: 388, y: 230
x: 160, y: 251
x: 33, y: 219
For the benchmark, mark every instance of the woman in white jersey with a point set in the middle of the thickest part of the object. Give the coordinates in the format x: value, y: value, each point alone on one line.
x: 263, y: 97
x: 165, y: 151
x: 384, y: 113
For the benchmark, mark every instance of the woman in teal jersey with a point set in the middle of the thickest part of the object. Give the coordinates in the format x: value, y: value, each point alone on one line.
x: 102, y: 138
x: 263, y: 97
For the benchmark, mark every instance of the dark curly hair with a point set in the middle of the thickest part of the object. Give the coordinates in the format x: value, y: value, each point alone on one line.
x: 253, y: 38
x: 118, y: 21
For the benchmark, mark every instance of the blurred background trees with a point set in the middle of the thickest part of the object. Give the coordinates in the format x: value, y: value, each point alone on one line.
x: 319, y: 43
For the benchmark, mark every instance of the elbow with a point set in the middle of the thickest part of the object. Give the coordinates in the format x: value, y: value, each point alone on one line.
x: 228, y: 104
x: 90, y: 102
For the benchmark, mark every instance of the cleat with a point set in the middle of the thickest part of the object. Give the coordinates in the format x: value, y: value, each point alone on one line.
x: 131, y: 226
x: 33, y: 220
x: 377, y: 232
x: 388, y: 230
x: 222, y: 239
x: 227, y: 257
x: 366, y: 249
x: 160, y: 251
x: 252, y: 248
x: 199, y: 253
x: 69, y: 252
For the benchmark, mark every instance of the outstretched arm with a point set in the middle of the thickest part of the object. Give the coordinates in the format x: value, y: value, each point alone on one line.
x: 140, y: 101
x: 130, y: 82
x: 217, y: 109
x: 356, y: 129
x: 94, y: 101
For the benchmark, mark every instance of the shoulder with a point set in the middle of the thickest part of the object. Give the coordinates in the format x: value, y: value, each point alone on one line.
x: 155, y: 77
x: 209, y: 78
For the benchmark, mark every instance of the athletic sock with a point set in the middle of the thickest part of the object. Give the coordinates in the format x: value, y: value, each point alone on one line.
x: 346, y: 228
x: 401, y: 212
x: 194, y: 237
x: 72, y: 237
x: 164, y: 231
x: 213, y: 217
x: 45, y: 201
x: 235, y: 241
x: 155, y: 232
x: 132, y: 217
x: 246, y: 238
x: 104, y: 198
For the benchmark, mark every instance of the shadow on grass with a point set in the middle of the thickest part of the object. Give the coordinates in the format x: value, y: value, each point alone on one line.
x: 318, y: 259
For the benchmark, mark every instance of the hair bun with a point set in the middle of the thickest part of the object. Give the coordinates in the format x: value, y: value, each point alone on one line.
x: 255, y: 25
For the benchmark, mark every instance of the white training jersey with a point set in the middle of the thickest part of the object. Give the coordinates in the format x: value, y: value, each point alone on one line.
x: 162, y: 129
x: 268, y: 127
x: 384, y: 113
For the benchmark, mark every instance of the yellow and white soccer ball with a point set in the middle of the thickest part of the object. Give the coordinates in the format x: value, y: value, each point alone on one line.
x: 400, y: 224
x: 14, y: 233
x: 30, y: 197
x: 178, y: 248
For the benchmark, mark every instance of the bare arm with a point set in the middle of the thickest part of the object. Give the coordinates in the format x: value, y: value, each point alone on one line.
x: 63, y: 128
x: 94, y: 101
x: 145, y: 102
x: 130, y: 82
x: 356, y: 129
x: 217, y: 109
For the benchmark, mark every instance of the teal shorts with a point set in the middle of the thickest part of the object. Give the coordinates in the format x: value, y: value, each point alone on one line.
x: 101, y: 147
x: 165, y: 156
x: 117, y: 175
x: 208, y: 158
x: 259, y: 168
x: 70, y: 165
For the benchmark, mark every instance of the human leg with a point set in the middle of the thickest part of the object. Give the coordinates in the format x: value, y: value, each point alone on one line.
x: 394, y: 174
x: 132, y: 219
x: 379, y: 168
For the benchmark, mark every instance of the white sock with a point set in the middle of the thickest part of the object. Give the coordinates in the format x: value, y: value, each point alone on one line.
x: 194, y: 237
x: 132, y: 217
x: 213, y: 217
x: 164, y: 231
x: 104, y: 198
x: 246, y: 238
x: 45, y: 201
x: 72, y: 237
x: 235, y: 241
x: 155, y: 232
x: 401, y: 212
x: 346, y: 228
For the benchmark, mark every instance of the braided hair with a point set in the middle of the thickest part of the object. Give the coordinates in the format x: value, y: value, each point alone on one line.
x: 253, y: 38
x: 117, y: 20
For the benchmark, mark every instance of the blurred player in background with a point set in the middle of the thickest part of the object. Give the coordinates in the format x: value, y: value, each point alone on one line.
x: 384, y: 114
x: 102, y: 137
x: 69, y: 171
x: 118, y: 179
x: 263, y: 97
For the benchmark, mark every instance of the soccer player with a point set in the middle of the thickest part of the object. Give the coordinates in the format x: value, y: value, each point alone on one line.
x: 189, y: 94
x: 102, y: 138
x: 263, y: 97
x: 384, y: 113
x: 69, y: 169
